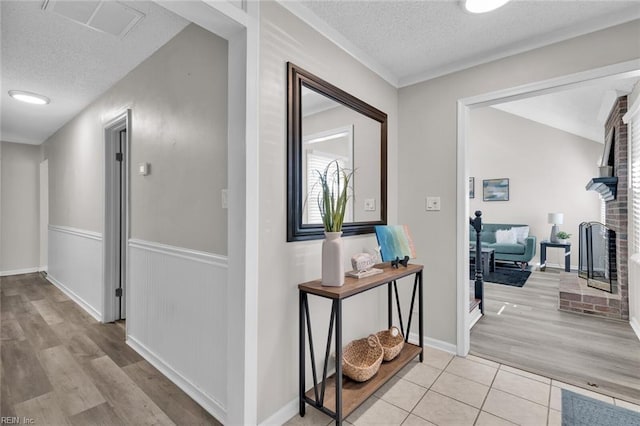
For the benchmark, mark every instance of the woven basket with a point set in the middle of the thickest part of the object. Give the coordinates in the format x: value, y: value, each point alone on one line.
x: 361, y: 358
x: 392, y: 342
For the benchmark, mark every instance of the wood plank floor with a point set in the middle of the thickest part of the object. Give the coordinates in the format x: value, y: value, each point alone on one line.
x: 523, y: 328
x: 59, y: 366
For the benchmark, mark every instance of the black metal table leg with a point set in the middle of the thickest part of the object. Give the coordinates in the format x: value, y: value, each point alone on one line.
x: 301, y: 353
x: 339, y: 362
x: 420, y: 303
x: 389, y: 306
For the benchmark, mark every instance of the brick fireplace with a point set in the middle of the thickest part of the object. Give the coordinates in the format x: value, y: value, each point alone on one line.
x: 575, y: 295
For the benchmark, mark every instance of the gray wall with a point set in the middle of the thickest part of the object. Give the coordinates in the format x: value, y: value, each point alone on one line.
x: 427, y: 151
x: 19, y: 206
x: 283, y: 37
x: 547, y: 170
x: 178, y: 98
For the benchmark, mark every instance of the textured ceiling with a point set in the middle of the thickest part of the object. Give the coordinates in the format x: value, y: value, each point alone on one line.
x: 410, y: 40
x: 71, y: 64
x: 416, y: 40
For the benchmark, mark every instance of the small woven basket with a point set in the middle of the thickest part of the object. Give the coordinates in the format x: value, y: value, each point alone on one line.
x: 392, y: 342
x: 361, y: 358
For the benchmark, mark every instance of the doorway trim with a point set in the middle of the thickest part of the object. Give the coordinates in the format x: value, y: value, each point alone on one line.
x: 112, y: 129
x: 464, y: 106
x: 240, y: 26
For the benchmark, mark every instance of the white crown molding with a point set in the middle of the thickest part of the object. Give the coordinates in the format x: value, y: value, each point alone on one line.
x: 311, y: 19
x: 538, y: 42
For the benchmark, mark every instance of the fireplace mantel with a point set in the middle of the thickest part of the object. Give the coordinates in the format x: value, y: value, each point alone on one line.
x: 607, y: 187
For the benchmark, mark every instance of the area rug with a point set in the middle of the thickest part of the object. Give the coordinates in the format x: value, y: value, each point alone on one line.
x: 507, y: 276
x: 579, y: 410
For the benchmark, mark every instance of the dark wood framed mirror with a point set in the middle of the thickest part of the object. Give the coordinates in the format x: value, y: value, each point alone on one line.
x: 324, y: 124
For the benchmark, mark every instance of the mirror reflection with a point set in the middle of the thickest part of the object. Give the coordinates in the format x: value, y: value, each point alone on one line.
x: 327, y: 124
x: 332, y: 131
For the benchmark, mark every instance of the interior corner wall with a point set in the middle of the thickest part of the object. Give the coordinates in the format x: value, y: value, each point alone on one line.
x: 284, y: 265
x: 547, y: 170
x: 177, y: 248
x: 428, y: 148
x: 19, y: 208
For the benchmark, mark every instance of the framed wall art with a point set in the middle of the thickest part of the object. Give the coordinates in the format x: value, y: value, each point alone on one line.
x: 472, y: 187
x: 495, y: 189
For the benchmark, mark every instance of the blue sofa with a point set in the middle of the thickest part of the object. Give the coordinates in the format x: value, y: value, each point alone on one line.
x: 518, y: 253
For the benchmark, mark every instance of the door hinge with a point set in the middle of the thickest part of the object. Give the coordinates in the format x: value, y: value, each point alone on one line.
x: 118, y: 156
x: 119, y: 292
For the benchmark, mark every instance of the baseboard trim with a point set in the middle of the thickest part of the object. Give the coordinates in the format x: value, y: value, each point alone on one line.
x: 216, y: 409
x: 79, y: 300
x: 283, y: 415
x: 474, y: 317
x: 44, y: 268
x: 18, y: 272
x: 434, y: 343
x: 635, y: 325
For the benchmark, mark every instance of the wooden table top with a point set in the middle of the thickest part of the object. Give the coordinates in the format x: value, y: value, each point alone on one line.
x: 358, y: 285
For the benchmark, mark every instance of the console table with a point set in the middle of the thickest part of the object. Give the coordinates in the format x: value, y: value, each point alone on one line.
x: 339, y: 396
x: 543, y: 254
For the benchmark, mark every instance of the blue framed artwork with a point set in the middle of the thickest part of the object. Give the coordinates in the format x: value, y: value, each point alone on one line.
x: 395, y: 242
x: 495, y: 189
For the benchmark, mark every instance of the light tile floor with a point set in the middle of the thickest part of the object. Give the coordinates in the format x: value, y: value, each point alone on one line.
x: 447, y: 390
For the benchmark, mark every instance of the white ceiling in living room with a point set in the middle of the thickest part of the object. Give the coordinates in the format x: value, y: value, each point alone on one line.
x: 582, y: 111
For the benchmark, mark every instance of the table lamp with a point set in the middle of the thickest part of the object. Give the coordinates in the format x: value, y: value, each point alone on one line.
x: 555, y: 219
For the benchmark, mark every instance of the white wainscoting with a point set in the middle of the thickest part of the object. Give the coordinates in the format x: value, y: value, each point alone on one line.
x: 177, y: 318
x: 75, y: 266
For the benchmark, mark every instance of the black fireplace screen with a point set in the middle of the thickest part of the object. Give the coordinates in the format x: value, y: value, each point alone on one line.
x: 597, y: 259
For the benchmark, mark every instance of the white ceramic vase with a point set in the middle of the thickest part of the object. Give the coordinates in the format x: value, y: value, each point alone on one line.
x: 332, y: 266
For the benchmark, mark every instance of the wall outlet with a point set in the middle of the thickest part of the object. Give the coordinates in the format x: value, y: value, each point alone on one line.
x: 370, y: 205
x: 433, y: 204
x: 225, y: 201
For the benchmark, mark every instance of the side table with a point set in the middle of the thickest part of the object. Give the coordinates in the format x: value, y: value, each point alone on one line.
x: 543, y: 254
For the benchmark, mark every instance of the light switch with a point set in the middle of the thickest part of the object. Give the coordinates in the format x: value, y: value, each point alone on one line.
x: 225, y: 202
x: 370, y: 205
x: 433, y: 204
x: 143, y: 169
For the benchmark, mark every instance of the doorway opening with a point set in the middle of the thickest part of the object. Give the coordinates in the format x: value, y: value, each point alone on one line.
x: 533, y: 300
x: 116, y: 136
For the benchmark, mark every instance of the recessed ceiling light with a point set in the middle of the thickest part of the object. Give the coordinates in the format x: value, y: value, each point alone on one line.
x: 31, y: 98
x: 482, y: 6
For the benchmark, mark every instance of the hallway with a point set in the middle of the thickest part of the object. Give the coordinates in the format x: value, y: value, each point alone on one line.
x: 60, y: 366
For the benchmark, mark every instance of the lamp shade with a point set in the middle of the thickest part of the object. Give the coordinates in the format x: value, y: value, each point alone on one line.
x: 555, y: 218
